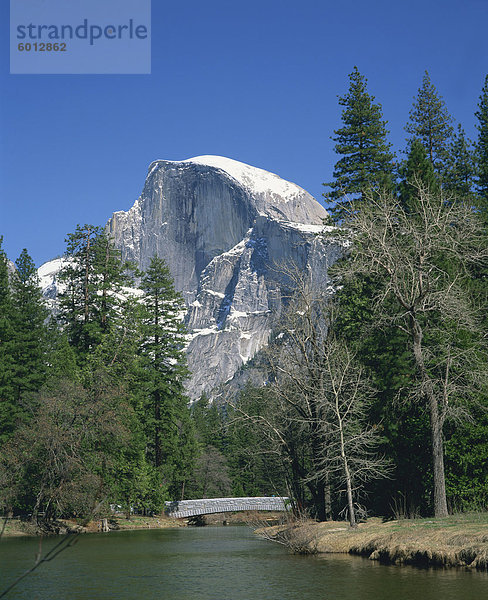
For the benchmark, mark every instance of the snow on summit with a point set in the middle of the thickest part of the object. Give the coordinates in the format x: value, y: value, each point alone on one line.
x: 257, y: 180
x: 270, y: 195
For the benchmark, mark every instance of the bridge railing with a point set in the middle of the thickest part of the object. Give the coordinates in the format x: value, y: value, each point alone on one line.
x: 205, y: 506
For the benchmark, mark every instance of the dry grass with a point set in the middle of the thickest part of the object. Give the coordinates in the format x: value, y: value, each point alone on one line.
x: 457, y: 541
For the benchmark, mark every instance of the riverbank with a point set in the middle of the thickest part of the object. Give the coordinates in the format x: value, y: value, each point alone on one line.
x: 455, y: 541
x: 17, y: 528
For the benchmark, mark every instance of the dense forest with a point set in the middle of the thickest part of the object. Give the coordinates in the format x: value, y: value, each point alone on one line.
x: 375, y: 399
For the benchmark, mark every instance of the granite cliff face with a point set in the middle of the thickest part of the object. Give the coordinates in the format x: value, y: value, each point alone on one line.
x: 224, y: 228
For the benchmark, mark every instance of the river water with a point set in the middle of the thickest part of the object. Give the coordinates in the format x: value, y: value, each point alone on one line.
x: 217, y: 563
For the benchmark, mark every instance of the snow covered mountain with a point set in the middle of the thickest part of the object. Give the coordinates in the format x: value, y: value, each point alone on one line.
x: 223, y: 227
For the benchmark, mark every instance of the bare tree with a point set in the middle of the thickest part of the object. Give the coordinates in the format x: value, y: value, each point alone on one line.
x: 351, y: 440
x: 211, y: 477
x: 421, y: 259
x: 321, y: 398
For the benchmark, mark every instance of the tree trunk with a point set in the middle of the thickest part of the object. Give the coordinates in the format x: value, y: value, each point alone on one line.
x: 328, y: 499
x: 350, y: 503
x: 317, y: 449
x: 440, y: 500
x: 347, y: 474
x: 320, y: 502
x: 158, y: 459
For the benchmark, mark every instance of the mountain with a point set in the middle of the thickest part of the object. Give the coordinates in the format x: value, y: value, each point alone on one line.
x: 225, y: 230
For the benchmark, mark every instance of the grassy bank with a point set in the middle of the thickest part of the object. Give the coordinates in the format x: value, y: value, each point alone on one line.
x: 455, y: 541
x: 16, y: 528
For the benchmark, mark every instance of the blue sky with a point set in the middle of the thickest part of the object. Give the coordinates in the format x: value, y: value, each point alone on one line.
x: 254, y: 81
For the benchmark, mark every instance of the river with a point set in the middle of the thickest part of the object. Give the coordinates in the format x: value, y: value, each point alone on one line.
x: 217, y: 563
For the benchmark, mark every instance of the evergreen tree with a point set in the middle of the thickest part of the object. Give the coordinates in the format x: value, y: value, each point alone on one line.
x: 366, y: 160
x: 93, y: 275
x: 23, y: 335
x: 461, y: 166
x: 423, y: 261
x: 482, y: 146
x: 416, y: 171
x: 28, y: 318
x: 170, y: 441
x: 77, y: 301
x: 7, y: 407
x: 431, y: 124
x: 113, y: 274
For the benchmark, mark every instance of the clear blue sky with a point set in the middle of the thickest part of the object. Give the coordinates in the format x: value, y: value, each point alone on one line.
x: 256, y: 81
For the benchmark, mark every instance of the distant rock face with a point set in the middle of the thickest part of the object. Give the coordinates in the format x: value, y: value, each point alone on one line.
x: 224, y: 228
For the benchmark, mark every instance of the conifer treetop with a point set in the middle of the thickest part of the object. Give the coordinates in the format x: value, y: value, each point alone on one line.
x: 482, y: 145
x: 366, y: 160
x: 430, y: 122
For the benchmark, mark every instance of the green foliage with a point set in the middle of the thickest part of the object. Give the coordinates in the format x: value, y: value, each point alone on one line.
x: 24, y: 341
x: 63, y: 461
x: 249, y: 467
x: 8, y: 409
x: 209, y: 423
x: 404, y: 428
x: 467, y: 464
x: 94, y: 412
x: 211, y: 475
x: 28, y: 318
x: 93, y: 277
x: 482, y: 146
x: 256, y: 469
x: 461, y: 166
x: 171, y: 446
x: 416, y: 172
x: 366, y: 160
x: 430, y: 123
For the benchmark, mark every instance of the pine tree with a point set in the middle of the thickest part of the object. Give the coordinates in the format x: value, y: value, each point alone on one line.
x: 430, y: 122
x: 366, y: 160
x: 7, y: 407
x: 93, y: 275
x: 29, y: 329
x: 482, y: 146
x: 461, y: 166
x: 77, y: 301
x: 170, y: 444
x: 23, y: 335
x: 416, y: 171
x: 113, y: 274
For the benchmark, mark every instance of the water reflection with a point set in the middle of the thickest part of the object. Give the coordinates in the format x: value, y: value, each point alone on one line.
x: 226, y: 563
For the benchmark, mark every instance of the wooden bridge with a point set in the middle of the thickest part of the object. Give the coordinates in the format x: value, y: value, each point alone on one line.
x: 207, y: 506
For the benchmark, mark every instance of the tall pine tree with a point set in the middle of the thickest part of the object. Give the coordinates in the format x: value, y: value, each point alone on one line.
x: 79, y: 275
x: 23, y: 337
x: 461, y: 166
x: 430, y: 122
x: 93, y: 276
x: 366, y: 160
x: 7, y: 407
x: 482, y: 147
x: 170, y: 439
x: 28, y: 317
